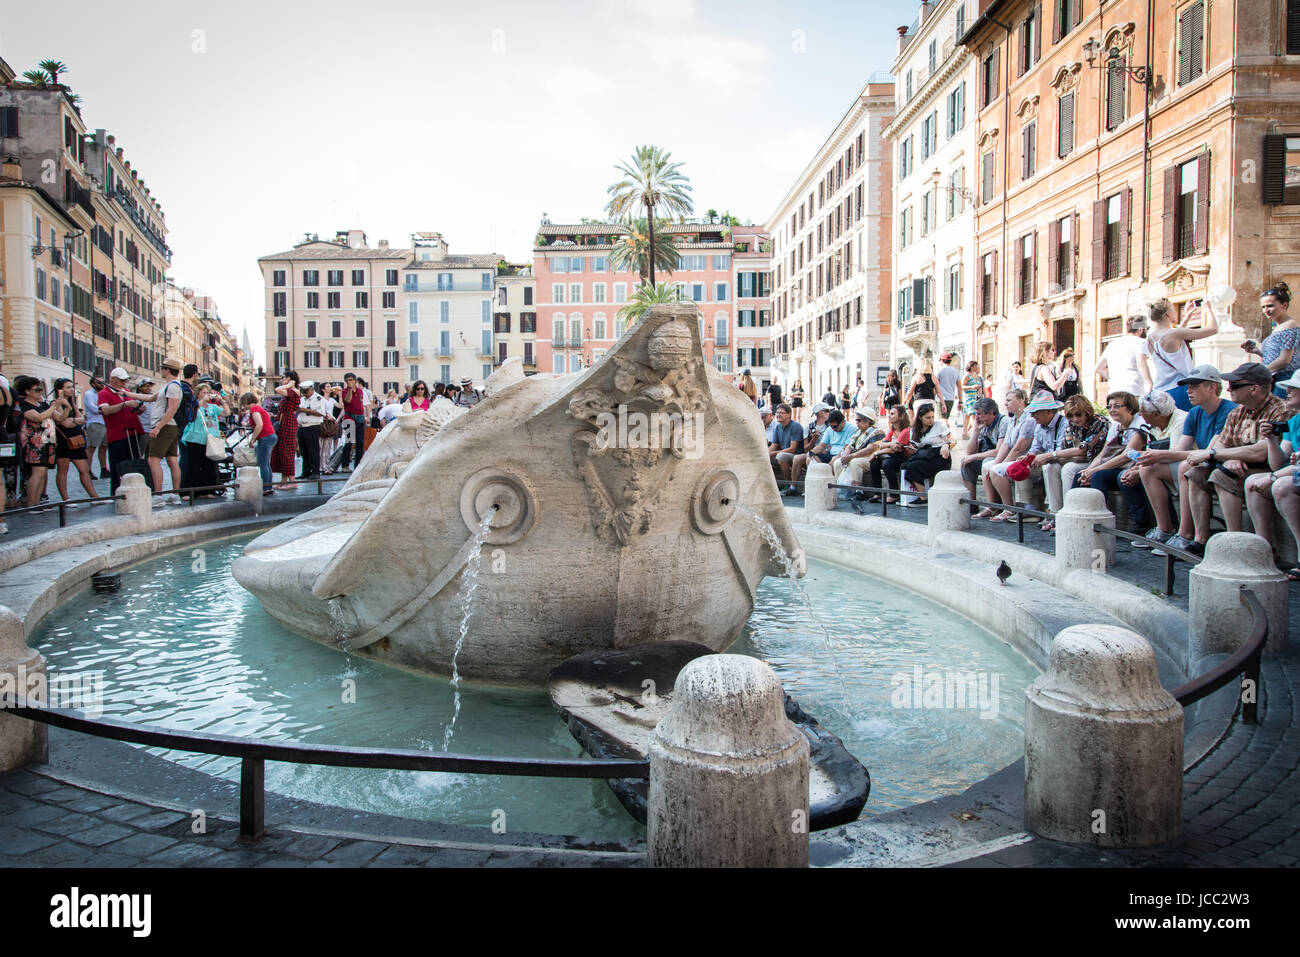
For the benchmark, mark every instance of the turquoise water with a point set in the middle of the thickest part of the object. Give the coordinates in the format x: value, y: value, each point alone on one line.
x: 183, y: 646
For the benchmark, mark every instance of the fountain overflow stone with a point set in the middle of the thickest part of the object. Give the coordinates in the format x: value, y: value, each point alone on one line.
x: 1103, y: 743
x: 248, y: 487
x: 817, y: 496
x: 22, y: 674
x: 133, y: 498
x: 947, y: 512
x: 1220, y: 620
x: 1078, y: 545
x: 728, y: 771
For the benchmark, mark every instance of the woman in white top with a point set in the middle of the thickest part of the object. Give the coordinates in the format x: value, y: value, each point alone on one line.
x: 1168, y: 347
x: 932, y: 440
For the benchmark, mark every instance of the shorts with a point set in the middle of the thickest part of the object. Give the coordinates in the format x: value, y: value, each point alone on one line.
x: 167, y: 444
x: 822, y: 456
x: 96, y: 435
x: 1233, y: 484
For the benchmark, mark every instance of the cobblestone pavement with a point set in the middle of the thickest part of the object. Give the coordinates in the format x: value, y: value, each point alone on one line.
x: 44, y: 823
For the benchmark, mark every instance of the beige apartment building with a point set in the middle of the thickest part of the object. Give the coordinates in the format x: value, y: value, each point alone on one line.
x: 832, y: 256
x: 752, y: 265
x: 449, y: 320
x: 1129, y: 151
x: 332, y: 308
x: 514, y: 315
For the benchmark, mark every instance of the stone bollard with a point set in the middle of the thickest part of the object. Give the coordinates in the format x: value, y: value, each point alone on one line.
x: 947, y: 511
x: 1103, y: 743
x: 22, y: 674
x: 816, y: 496
x: 135, y: 499
x: 728, y: 771
x: 1220, y: 620
x: 1077, y: 545
x: 248, y: 487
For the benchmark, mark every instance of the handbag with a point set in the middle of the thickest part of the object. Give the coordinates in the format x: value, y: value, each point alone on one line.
x: 72, y: 441
x: 216, y: 448
x: 329, y: 427
x: 245, y: 457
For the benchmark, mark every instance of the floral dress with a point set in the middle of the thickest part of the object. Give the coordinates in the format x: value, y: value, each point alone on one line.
x: 1091, y: 437
x: 286, y: 430
x: 972, y: 390
x: 36, y: 439
x: 1277, y: 342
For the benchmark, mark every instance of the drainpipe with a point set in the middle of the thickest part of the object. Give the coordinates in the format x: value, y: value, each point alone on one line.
x: 1146, y: 143
x: 1006, y: 123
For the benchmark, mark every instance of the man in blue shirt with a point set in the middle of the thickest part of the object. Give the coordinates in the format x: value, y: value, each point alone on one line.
x: 787, y: 442
x: 1159, y: 469
x: 769, y: 425
x: 1277, y: 489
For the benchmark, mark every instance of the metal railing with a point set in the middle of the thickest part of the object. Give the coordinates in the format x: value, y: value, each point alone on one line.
x: 253, y: 756
x: 883, y: 493
x: 1020, y: 510
x: 1171, y: 554
x: 1245, y: 662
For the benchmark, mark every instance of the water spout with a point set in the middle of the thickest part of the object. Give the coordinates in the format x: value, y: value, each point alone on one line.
x: 340, y: 630
x: 465, y: 598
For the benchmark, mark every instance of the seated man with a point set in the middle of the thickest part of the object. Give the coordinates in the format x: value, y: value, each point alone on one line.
x: 856, y: 455
x: 812, y: 435
x: 1049, y: 438
x: 1235, y: 453
x: 1019, y: 435
x: 990, y: 433
x: 1161, y: 469
x: 1278, y: 488
x: 835, y: 434
x: 787, y: 442
x: 769, y: 425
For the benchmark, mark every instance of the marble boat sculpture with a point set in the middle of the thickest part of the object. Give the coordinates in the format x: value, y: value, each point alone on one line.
x: 616, y: 495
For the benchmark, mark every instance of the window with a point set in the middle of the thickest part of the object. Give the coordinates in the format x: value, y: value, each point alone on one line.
x: 444, y: 342
x: 1191, y: 39
x: 1186, y: 210
x: 557, y: 292
x: 333, y: 300
x: 1031, y: 40
x: 281, y: 362
x: 1068, y: 16
x: 620, y: 292
x: 311, y: 328
x: 1026, y: 263
x: 444, y: 374
x: 575, y: 292
x: 1110, y: 237
x: 905, y: 158
x: 412, y: 282
x: 528, y: 295
x: 1060, y: 254
x: 987, y: 293
x: 904, y: 299
x: 279, y: 300
x: 1281, y: 154
x: 1028, y: 150
x: 721, y: 263
x: 1065, y: 126
x: 277, y: 277
x: 989, y: 78
x: 961, y: 22
x: 929, y: 135
x: 336, y: 329
x: 485, y: 310
x: 956, y: 189
x: 361, y: 328
x: 927, y: 212
x: 444, y: 311
x: 390, y: 277
x: 336, y: 358
x: 528, y: 322
x: 1116, y: 91
x: 413, y: 343
x: 987, y: 187
x: 359, y: 279
x: 281, y: 333
x: 904, y: 228
x: 313, y: 300
x: 390, y: 300
x: 335, y: 277
x: 502, y: 323
x: 598, y: 291
x: 697, y: 292
x: 445, y: 282
x: 9, y: 124
x: 390, y: 333
x: 598, y: 323
x: 391, y: 358
x: 360, y: 358
x: 311, y: 277
x: 908, y: 87
x: 485, y: 281
x: 720, y: 336
x: 558, y: 363
x: 952, y: 290
x: 311, y: 359
x: 956, y: 108
x: 575, y: 263
x: 599, y: 264
x: 721, y: 291
x: 560, y: 264
x: 363, y: 300
x: 412, y: 313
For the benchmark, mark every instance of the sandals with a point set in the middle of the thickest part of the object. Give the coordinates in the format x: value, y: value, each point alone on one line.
x: 1047, y: 526
x: 1293, y: 574
x: 1004, y: 517
x: 985, y: 513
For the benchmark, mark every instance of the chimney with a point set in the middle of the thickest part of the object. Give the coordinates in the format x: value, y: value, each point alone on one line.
x: 11, y: 170
x: 902, y: 40
x: 926, y: 8
x: 383, y: 244
x: 356, y: 239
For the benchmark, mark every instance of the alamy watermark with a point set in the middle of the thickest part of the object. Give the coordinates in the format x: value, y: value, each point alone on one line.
x: 948, y: 690
x: 631, y: 429
x: 73, y: 690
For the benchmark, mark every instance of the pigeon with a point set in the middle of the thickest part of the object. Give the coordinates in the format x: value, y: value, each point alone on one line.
x: 1004, y: 572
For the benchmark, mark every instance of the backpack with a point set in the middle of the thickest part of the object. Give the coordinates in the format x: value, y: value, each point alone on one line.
x: 188, y: 410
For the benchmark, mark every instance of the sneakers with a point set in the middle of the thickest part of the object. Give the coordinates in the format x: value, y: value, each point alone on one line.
x: 1153, y: 535
x: 4, y: 528
x: 1186, y: 544
x: 172, y: 499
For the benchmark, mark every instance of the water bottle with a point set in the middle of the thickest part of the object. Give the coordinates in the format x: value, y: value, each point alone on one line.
x: 1133, y: 454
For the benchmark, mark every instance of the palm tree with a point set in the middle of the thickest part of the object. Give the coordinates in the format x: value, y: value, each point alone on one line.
x: 647, y: 296
x: 632, y: 249
x: 53, y: 68
x: 650, y: 181
x: 39, y: 77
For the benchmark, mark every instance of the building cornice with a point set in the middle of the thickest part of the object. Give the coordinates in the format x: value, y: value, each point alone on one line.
x: 954, y: 64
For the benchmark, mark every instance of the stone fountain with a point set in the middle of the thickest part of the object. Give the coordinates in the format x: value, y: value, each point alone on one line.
x: 615, y: 497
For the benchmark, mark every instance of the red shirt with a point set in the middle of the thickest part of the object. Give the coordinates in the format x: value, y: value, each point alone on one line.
x: 122, y: 422
x: 261, y: 413
x: 356, y: 404
x: 902, y: 438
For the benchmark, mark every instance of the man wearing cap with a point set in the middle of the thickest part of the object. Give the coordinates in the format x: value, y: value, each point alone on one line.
x: 1048, y: 439
x: 831, y: 442
x: 1277, y: 489
x: 1238, y: 451
x: 856, y: 456
x: 948, y: 377
x: 164, y: 436
x: 1163, y: 469
x: 312, y: 410
x: 1123, y: 364
x: 990, y: 433
x: 95, y: 433
x: 122, y: 426
x: 468, y: 395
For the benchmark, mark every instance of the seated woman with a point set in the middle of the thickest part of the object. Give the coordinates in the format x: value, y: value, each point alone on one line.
x: 1278, y: 489
x: 1085, y: 437
x: 889, y: 458
x: 930, y: 438
x: 1113, y: 470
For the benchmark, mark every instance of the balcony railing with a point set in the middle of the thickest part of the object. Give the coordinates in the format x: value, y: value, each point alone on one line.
x: 125, y: 201
x: 1186, y: 240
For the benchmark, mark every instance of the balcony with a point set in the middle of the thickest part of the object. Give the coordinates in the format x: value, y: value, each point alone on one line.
x: 124, y: 200
x: 919, y: 333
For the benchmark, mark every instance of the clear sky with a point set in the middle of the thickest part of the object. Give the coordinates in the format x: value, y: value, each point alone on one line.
x: 256, y: 122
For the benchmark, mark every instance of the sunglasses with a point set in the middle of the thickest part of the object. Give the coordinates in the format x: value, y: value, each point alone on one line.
x: 1234, y: 386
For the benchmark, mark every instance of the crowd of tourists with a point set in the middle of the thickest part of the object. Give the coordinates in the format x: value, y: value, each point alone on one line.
x: 183, y: 431
x: 1173, y: 438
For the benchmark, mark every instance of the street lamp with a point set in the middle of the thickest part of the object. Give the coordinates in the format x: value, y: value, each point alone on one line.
x: 1114, y: 61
